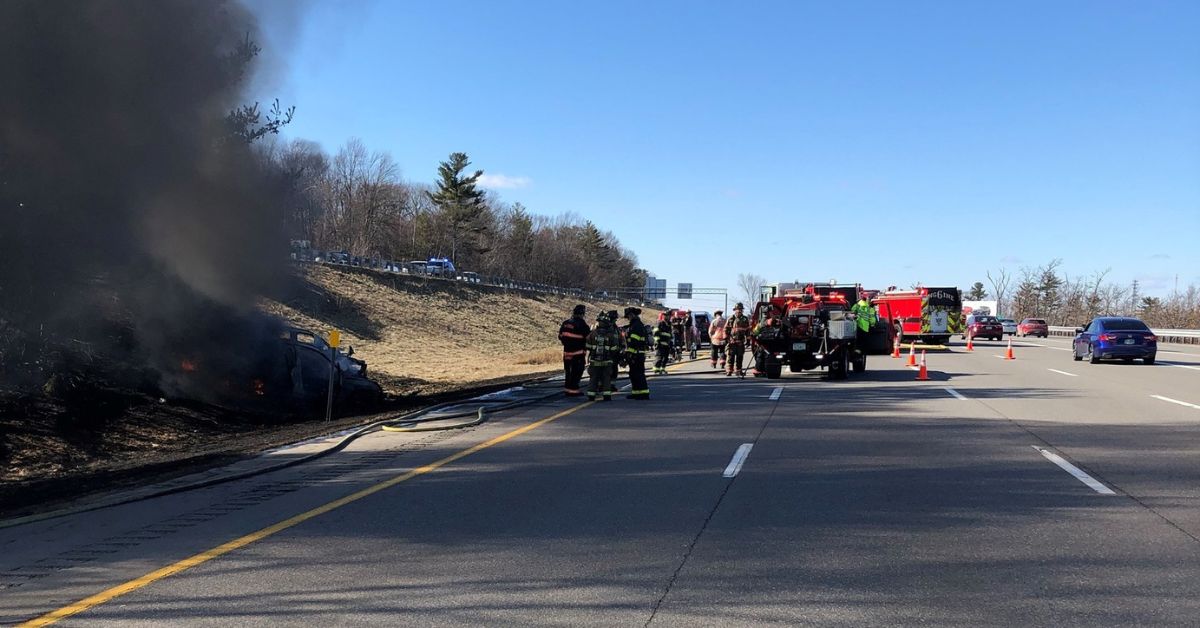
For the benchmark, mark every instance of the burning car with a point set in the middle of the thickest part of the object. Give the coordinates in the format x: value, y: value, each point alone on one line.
x: 307, y: 358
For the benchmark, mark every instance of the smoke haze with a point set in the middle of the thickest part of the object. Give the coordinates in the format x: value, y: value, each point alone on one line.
x: 123, y: 193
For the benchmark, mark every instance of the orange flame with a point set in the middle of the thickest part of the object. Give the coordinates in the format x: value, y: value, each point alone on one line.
x: 188, y: 366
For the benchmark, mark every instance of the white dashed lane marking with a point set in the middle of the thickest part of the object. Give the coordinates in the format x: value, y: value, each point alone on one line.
x: 955, y: 394
x: 1062, y: 372
x: 739, y: 458
x: 775, y: 393
x: 1176, y: 401
x: 1075, y: 471
x: 1182, y: 366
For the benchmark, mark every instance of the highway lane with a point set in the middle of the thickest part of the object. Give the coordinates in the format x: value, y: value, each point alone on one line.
x: 1107, y: 417
x: 881, y: 500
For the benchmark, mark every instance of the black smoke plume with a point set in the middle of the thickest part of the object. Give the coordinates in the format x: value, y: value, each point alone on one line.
x: 137, y: 225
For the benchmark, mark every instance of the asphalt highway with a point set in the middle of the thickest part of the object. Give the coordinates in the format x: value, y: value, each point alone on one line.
x: 1038, y: 491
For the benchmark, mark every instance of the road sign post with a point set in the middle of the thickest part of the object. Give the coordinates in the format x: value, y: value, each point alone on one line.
x: 335, y: 339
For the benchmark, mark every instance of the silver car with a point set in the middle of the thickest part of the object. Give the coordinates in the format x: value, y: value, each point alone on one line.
x: 1009, y: 325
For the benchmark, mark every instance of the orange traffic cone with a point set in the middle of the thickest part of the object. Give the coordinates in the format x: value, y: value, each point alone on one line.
x: 922, y: 373
x: 912, y: 354
x: 970, y: 342
x: 896, y: 348
x: 1009, y: 354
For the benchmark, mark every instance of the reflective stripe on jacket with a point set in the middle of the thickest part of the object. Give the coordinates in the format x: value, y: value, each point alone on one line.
x: 737, y: 329
x: 604, y: 344
x: 716, y: 330
x: 636, y: 336
x: 572, y: 334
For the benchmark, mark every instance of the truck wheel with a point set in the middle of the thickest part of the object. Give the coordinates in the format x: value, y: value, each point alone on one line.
x: 774, y: 370
x: 859, y: 364
x: 839, y: 366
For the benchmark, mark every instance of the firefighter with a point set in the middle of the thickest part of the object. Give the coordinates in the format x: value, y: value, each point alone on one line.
x: 770, y: 328
x: 573, y: 336
x: 737, y: 334
x: 678, y: 332
x: 865, y: 315
x: 691, y: 335
x: 716, y: 338
x: 662, y: 346
x: 636, y: 335
x: 604, y: 347
x: 619, y: 362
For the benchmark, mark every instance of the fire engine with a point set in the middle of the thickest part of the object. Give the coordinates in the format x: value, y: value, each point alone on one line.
x: 806, y: 328
x: 926, y: 315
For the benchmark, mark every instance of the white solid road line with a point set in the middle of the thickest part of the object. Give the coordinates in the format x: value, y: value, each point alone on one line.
x: 775, y: 393
x: 1075, y: 471
x: 955, y: 394
x: 739, y: 458
x: 1062, y: 372
x: 1176, y: 401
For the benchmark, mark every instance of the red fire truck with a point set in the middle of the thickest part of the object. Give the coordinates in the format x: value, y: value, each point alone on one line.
x: 926, y: 315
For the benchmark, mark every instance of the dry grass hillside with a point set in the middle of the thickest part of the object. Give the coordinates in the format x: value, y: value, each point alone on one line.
x: 420, y: 336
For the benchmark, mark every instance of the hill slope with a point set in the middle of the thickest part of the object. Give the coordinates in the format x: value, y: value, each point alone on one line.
x: 426, y: 335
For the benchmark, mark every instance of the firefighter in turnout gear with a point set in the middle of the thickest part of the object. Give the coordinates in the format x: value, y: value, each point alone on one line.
x: 635, y: 353
x: 604, y: 347
x: 662, y: 347
x: 616, y: 366
x: 865, y: 315
x: 737, y: 335
x: 771, y: 328
x: 716, y: 338
x: 573, y: 335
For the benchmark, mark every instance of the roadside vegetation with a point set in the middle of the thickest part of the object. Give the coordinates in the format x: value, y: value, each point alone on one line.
x: 1048, y: 292
x: 355, y: 200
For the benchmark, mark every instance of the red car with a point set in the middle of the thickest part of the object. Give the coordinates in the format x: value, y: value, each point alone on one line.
x: 1033, y: 327
x: 984, y: 327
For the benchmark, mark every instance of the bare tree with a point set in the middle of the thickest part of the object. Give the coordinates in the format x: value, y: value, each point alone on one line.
x: 1000, y: 287
x: 751, y: 286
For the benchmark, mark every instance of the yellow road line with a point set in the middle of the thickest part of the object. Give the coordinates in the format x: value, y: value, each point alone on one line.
x: 207, y: 555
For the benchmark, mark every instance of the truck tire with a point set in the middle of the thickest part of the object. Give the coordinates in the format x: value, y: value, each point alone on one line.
x: 774, y: 370
x: 839, y: 365
x: 859, y: 364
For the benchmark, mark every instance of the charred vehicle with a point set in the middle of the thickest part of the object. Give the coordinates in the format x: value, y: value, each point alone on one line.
x: 307, y: 358
x: 808, y: 328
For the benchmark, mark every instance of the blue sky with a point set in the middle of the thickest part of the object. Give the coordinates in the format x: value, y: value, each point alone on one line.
x: 881, y: 142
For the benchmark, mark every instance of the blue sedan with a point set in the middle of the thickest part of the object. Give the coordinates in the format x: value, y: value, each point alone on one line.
x: 1115, y: 337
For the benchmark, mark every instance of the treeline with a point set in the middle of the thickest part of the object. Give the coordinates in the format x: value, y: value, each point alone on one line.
x: 356, y: 200
x: 1048, y: 292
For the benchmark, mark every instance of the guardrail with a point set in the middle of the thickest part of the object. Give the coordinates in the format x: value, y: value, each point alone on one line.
x: 1177, y: 336
x: 419, y: 271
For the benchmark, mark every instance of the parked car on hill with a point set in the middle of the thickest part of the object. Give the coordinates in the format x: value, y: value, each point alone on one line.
x: 441, y: 267
x: 1033, y: 327
x: 1115, y: 337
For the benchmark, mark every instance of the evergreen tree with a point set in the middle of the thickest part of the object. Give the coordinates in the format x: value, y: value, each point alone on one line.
x: 462, y: 206
x: 977, y: 293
